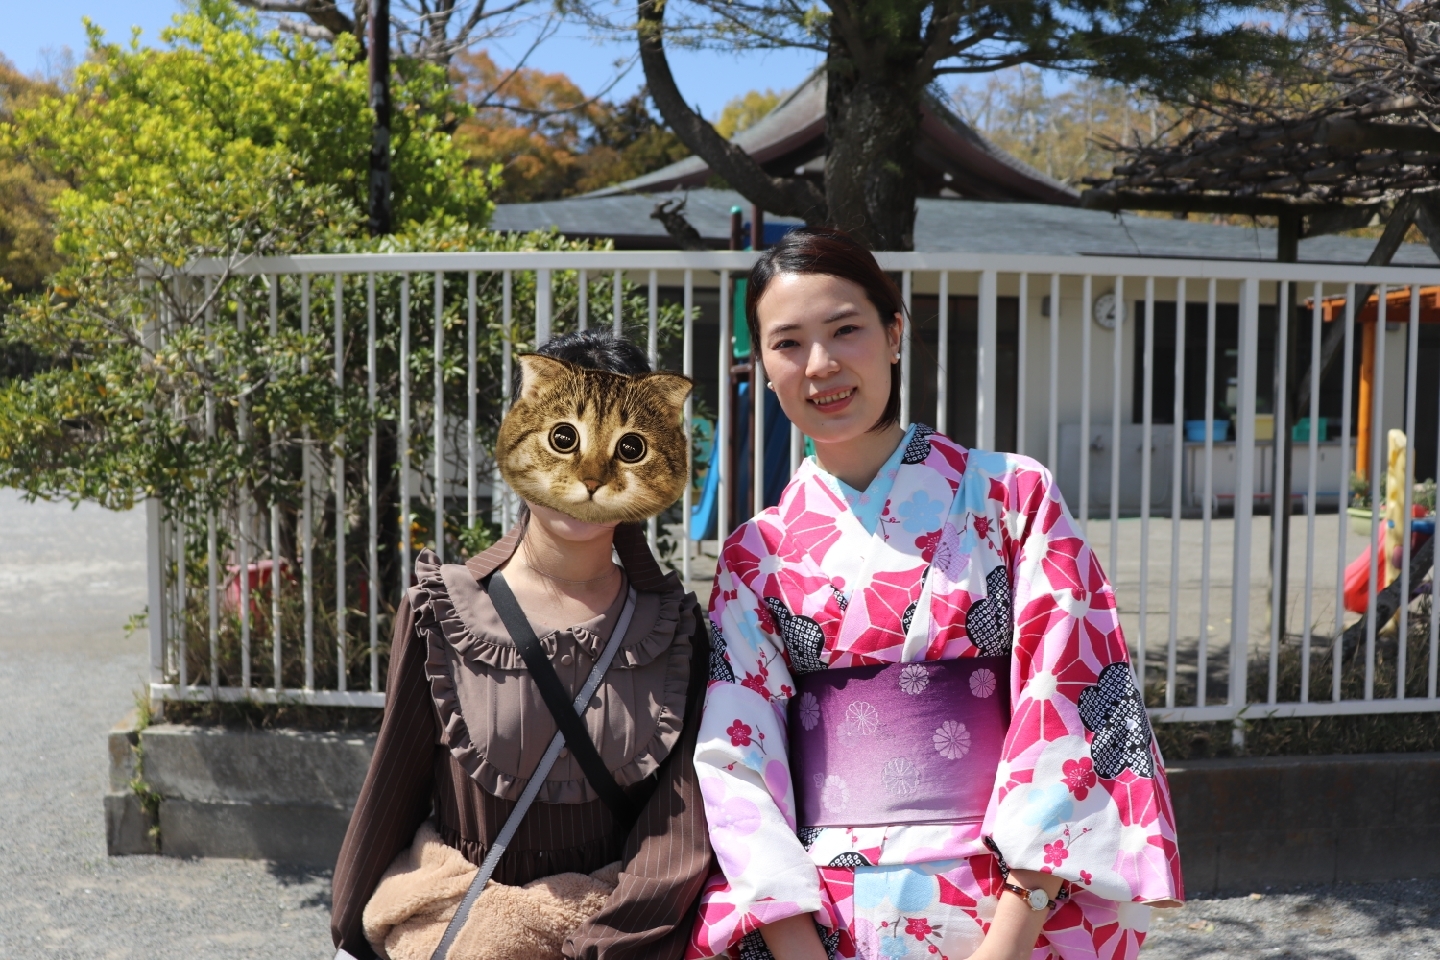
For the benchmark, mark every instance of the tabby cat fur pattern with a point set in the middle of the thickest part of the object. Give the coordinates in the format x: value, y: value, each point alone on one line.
x: 597, y: 446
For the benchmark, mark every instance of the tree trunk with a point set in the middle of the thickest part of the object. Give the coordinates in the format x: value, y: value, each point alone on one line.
x: 382, y: 214
x: 872, y: 121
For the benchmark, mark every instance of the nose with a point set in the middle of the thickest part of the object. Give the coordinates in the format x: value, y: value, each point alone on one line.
x: 591, y: 485
x: 819, y: 363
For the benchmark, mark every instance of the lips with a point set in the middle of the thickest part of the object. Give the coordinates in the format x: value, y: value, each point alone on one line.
x: 826, y: 400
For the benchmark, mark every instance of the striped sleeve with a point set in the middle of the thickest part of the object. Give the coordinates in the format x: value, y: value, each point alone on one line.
x: 398, y: 789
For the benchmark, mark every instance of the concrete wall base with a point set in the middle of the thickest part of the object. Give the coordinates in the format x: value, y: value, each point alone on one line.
x: 281, y: 795
x: 1243, y: 823
x: 1268, y: 821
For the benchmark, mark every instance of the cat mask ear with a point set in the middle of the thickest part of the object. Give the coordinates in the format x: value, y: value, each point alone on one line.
x: 536, y: 369
x: 668, y: 389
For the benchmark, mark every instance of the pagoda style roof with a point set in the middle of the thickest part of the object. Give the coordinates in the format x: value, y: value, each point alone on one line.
x: 955, y: 161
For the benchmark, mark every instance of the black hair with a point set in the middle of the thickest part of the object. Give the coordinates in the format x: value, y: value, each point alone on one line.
x: 834, y: 253
x: 596, y: 350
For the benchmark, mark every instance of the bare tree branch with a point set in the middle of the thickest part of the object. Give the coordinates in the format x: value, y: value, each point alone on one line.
x: 784, y: 196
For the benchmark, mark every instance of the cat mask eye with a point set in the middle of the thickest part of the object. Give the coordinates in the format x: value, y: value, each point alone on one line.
x: 595, y: 445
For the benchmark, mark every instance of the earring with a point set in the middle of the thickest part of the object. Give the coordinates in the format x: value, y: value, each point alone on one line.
x: 897, y: 356
x: 770, y: 384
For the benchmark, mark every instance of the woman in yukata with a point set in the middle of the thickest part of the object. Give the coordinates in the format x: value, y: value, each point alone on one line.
x: 922, y: 737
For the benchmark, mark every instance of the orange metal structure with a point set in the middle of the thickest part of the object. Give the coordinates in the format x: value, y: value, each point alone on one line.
x: 1397, y: 310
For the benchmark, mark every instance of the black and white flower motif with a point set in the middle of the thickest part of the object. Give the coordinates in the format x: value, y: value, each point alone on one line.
x: 808, y: 836
x: 1113, y: 711
x: 804, y: 640
x: 919, y: 446
x: 851, y: 859
x: 719, y: 663
x: 988, y: 621
x: 752, y: 945
x: 908, y: 616
x: 841, y: 600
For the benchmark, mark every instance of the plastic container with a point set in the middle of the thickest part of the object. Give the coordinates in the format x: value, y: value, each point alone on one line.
x: 1264, y: 426
x: 1300, y: 433
x: 1195, y: 430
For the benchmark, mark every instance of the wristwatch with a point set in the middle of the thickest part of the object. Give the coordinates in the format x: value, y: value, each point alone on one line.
x: 1036, y: 899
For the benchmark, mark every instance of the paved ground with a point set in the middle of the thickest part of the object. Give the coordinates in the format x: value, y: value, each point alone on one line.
x: 68, y: 583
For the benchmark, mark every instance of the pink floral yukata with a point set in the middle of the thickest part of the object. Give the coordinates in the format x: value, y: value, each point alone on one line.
x: 974, y: 555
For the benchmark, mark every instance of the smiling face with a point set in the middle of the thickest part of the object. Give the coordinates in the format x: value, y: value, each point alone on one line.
x: 827, y: 354
x: 598, y: 447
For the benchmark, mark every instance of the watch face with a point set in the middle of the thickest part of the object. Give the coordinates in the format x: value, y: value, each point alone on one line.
x: 1039, y: 900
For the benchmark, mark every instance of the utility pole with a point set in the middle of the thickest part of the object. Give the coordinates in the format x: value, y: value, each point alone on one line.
x: 382, y: 214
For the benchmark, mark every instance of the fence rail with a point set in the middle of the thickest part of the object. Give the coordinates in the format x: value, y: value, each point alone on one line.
x: 1005, y: 352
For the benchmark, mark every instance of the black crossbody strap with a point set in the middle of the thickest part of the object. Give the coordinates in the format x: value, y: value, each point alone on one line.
x: 559, y: 701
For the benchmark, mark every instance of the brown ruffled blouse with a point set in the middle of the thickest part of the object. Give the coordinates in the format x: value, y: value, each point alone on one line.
x: 464, y: 723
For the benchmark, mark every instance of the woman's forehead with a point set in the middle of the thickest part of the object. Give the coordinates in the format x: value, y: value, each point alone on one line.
x: 794, y: 298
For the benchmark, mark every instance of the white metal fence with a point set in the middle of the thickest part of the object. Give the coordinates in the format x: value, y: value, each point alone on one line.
x: 1005, y: 352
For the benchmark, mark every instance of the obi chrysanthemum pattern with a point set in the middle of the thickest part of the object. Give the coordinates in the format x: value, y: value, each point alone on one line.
x: 974, y: 555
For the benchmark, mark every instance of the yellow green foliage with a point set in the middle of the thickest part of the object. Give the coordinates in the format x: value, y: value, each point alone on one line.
x: 226, y: 142
x: 27, y: 241
x: 742, y: 112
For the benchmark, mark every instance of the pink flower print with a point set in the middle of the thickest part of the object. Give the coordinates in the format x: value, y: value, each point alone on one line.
x: 739, y: 733
x: 809, y: 711
x: 982, y: 683
x: 1079, y: 776
x: 1055, y: 853
x: 982, y: 527
x: 861, y: 718
x: 926, y: 544
x: 756, y: 682
x: 1086, y: 877
x: 914, y: 678
x: 918, y: 927
x: 900, y: 777
x: 952, y: 740
x: 834, y: 792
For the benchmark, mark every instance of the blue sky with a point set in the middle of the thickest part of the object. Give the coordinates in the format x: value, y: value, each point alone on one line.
x: 31, y: 27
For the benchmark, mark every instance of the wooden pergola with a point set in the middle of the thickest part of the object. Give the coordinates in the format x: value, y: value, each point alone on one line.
x: 1358, y: 140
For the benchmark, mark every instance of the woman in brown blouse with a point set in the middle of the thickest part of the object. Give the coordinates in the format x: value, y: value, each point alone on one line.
x: 465, y: 724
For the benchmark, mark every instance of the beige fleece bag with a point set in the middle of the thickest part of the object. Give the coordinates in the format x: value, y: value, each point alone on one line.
x: 417, y: 896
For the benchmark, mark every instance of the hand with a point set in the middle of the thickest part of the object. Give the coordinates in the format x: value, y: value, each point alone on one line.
x: 794, y: 938
x: 1016, y: 927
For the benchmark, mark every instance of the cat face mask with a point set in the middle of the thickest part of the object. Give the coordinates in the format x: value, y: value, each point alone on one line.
x: 597, y: 446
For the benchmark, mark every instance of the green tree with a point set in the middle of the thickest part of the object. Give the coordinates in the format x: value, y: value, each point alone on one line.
x: 548, y: 139
x: 881, y: 55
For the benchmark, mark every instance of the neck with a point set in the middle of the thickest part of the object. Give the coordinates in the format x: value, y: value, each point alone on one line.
x: 568, y: 561
x: 856, y: 461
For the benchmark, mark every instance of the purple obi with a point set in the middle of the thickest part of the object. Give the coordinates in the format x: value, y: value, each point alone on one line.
x: 898, y: 743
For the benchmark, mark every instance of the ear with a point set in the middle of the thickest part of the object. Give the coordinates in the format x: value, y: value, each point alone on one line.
x: 669, y: 388
x: 535, y: 370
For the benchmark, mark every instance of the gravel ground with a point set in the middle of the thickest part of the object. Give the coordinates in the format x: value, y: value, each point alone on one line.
x: 1370, y: 921
x: 68, y: 582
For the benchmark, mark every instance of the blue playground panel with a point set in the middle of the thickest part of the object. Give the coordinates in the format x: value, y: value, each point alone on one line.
x: 705, y: 514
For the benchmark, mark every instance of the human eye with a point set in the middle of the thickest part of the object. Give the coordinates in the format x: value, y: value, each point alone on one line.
x: 784, y: 344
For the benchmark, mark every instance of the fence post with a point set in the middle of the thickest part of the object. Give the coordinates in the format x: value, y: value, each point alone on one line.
x: 1244, y: 498
x: 985, y: 365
